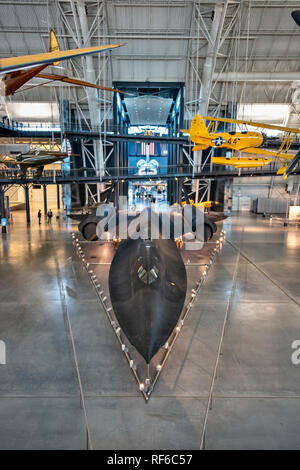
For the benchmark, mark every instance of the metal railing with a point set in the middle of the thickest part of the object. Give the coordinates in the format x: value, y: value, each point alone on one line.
x: 76, y: 127
x: 119, y: 129
x: 114, y: 172
x: 29, y: 126
x: 169, y: 171
x: 85, y: 127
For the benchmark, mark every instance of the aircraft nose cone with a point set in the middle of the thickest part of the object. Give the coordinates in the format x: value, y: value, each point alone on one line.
x: 147, y: 284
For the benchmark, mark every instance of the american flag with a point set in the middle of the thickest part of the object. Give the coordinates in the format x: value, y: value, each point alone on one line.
x: 151, y: 148
x: 66, y: 147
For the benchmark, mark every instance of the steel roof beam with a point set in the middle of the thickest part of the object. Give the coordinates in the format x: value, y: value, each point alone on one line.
x: 256, y: 76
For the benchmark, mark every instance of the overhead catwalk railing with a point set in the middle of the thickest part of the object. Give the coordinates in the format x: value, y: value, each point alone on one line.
x: 113, y: 133
x: 171, y: 172
x: 73, y: 129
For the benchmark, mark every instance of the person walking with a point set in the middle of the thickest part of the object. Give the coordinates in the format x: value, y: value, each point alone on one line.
x: 39, y: 216
x: 50, y: 214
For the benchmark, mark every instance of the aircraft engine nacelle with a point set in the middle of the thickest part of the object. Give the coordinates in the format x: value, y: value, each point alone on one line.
x: 88, y: 228
x: 93, y: 226
x: 194, y: 221
x: 209, y: 227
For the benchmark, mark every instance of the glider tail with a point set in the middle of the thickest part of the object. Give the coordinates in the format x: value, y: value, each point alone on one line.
x: 53, y: 44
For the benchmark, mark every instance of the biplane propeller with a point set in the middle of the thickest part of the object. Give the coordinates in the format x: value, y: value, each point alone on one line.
x: 246, y: 141
x: 16, y: 71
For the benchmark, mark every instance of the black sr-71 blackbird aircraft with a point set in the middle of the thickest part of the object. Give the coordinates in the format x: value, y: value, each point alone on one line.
x: 147, y: 278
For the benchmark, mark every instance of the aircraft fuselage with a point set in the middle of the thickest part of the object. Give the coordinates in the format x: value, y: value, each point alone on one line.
x: 230, y: 140
x: 14, y: 80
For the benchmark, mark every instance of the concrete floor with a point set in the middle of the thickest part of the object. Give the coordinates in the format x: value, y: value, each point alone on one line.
x: 256, y: 396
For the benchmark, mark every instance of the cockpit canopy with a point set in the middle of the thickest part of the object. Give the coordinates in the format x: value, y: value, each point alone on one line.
x: 148, y: 276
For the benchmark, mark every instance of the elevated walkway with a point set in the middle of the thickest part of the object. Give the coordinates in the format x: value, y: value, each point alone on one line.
x: 113, y: 134
x: 181, y: 172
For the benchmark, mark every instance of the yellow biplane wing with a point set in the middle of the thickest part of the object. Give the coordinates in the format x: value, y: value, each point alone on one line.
x: 17, y: 63
x: 254, y: 124
x: 238, y: 162
x: 6, y: 159
x: 262, y: 151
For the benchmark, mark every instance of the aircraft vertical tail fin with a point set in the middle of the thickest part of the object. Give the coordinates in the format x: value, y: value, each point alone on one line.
x: 198, y: 129
x: 296, y: 16
x: 53, y: 44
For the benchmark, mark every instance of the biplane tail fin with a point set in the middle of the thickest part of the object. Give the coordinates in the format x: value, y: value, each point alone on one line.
x: 53, y: 44
x: 198, y: 129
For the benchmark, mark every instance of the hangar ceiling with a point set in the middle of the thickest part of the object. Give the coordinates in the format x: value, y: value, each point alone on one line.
x: 162, y: 40
x: 148, y: 110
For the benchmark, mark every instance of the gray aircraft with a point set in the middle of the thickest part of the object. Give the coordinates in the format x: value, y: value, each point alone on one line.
x: 34, y: 159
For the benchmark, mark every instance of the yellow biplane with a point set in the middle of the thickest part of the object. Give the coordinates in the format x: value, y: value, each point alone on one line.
x: 250, y: 142
x: 203, y: 204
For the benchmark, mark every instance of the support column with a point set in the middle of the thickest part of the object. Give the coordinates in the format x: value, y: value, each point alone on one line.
x: 271, y: 188
x: 179, y: 192
x: 116, y: 195
x: 176, y: 195
x: 211, y: 55
x: 92, y: 94
x: 297, y: 192
x: 2, y: 205
x: 26, y: 189
x: 206, y: 79
x: 45, y: 199
x: 58, y: 196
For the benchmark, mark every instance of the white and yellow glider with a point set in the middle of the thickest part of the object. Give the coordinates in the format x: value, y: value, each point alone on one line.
x: 17, y: 63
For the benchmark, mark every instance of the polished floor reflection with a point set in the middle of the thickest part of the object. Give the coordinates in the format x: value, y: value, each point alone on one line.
x: 256, y: 396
